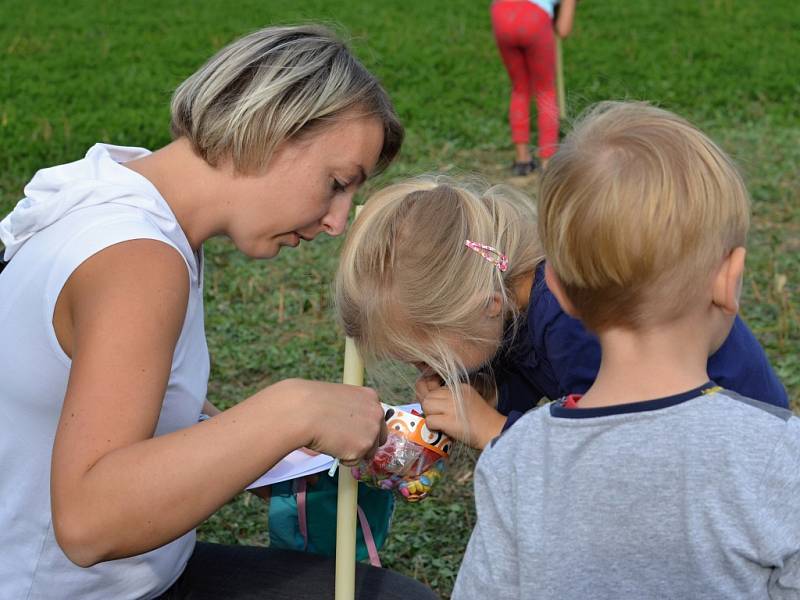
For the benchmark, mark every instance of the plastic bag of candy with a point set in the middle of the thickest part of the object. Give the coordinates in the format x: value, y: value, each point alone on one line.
x: 411, y: 461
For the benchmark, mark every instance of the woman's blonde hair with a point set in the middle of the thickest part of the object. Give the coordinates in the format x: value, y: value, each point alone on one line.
x: 409, y: 288
x: 273, y: 85
x: 636, y: 210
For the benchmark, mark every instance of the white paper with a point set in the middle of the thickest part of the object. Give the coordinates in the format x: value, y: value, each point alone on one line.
x: 297, y: 464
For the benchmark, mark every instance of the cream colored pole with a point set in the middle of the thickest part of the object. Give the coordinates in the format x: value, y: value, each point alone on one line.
x: 347, y: 501
x: 562, y: 101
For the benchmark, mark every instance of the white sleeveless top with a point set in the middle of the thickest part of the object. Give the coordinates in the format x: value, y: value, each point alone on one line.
x: 70, y: 213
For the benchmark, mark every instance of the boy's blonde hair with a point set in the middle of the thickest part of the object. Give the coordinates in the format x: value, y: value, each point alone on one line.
x: 408, y: 288
x: 636, y: 211
x: 273, y: 85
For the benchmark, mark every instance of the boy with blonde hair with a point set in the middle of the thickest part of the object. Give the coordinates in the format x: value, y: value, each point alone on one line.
x: 656, y: 483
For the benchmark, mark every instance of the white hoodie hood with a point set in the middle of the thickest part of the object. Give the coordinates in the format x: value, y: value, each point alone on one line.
x: 96, y: 179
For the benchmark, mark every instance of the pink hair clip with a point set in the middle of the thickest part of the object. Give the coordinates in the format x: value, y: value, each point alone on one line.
x: 490, y: 253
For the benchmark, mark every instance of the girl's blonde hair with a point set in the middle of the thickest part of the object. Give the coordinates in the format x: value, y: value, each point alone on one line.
x: 408, y: 288
x: 273, y: 85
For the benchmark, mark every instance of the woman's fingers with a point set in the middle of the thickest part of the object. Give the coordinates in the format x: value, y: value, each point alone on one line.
x: 348, y: 421
x: 383, y: 435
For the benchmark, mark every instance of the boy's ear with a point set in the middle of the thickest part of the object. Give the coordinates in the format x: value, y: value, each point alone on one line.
x: 728, y: 282
x: 554, y: 283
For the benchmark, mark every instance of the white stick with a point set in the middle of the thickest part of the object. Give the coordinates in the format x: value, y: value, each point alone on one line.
x: 347, y: 501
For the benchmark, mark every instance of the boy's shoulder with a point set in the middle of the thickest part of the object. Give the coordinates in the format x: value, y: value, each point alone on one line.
x: 508, y: 444
x: 744, y: 423
x: 751, y: 422
x: 717, y: 418
x: 507, y: 458
x: 751, y: 407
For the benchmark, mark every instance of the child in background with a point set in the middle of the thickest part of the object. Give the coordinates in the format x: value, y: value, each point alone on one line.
x: 657, y: 483
x: 523, y: 30
x: 449, y: 277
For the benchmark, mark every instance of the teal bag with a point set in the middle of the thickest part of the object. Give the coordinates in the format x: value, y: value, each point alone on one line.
x: 314, y: 528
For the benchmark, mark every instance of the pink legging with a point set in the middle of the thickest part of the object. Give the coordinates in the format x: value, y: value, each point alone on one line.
x: 525, y: 38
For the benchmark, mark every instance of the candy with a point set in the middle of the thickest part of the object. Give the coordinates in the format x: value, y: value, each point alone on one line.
x: 411, y: 461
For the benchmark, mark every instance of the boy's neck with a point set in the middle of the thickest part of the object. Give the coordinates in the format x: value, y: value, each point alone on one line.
x: 640, y: 365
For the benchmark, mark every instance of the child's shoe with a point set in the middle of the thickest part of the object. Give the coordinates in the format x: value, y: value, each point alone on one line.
x: 521, y: 169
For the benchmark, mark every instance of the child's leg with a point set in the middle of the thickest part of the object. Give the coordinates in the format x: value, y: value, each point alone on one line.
x: 507, y: 19
x: 540, y: 57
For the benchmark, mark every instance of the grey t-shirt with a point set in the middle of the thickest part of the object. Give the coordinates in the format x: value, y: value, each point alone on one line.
x: 693, y: 496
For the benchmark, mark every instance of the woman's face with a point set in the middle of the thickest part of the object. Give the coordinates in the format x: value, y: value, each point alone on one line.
x: 307, y: 188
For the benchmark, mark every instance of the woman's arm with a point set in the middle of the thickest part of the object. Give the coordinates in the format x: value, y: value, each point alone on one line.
x: 565, y: 18
x: 116, y: 491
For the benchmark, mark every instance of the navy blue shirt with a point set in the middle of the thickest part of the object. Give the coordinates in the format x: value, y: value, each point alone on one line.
x: 551, y: 355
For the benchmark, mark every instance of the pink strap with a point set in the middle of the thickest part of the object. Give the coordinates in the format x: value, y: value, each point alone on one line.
x: 301, y: 509
x: 372, y: 549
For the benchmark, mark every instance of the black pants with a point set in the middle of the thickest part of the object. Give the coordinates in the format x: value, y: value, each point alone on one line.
x: 219, y: 572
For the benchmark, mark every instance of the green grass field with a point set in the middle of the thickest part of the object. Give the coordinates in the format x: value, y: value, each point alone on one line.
x: 77, y: 72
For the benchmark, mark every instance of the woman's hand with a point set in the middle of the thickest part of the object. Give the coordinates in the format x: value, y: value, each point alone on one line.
x: 345, y: 421
x: 483, y: 423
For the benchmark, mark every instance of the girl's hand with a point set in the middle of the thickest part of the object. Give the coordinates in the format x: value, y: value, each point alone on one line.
x: 483, y: 423
x: 345, y: 421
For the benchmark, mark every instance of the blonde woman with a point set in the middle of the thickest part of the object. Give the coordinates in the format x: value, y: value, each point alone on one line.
x: 106, y: 470
x: 449, y: 276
